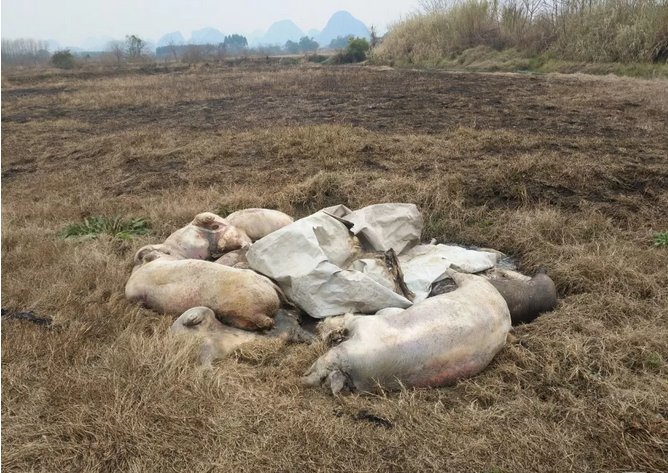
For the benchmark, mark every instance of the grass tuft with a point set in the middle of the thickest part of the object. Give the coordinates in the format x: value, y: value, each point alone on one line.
x: 116, y: 227
x: 660, y: 239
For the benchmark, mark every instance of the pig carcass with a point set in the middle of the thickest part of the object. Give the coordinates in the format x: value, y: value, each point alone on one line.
x: 433, y: 343
x: 207, y: 236
x: 218, y: 340
x: 258, y: 223
x: 239, y: 297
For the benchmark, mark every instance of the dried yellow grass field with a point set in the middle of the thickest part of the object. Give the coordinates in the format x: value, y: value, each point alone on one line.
x: 565, y: 172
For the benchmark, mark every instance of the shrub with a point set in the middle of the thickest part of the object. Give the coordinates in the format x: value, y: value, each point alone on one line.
x: 356, y: 51
x: 63, y: 59
x: 317, y: 58
x: 117, y: 227
x: 339, y: 42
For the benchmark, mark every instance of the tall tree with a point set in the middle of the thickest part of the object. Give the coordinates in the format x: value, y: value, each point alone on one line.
x: 291, y: 47
x: 117, y: 49
x: 235, y: 42
x: 134, y: 46
x: 307, y: 44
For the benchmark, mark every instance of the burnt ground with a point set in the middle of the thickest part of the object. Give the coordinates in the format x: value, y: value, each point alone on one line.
x: 570, y: 117
x: 378, y: 100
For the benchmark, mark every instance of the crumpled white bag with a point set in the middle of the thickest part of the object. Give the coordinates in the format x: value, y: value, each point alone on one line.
x: 384, y: 226
x: 307, y: 259
x: 424, y: 265
x: 319, y: 264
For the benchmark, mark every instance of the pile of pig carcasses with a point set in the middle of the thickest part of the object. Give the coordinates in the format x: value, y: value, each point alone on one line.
x: 397, y: 312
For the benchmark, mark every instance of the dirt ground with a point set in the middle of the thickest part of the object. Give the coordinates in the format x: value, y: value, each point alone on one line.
x: 565, y: 172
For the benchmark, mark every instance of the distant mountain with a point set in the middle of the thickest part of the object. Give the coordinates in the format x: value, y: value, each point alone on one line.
x: 175, y: 38
x: 342, y: 23
x: 312, y: 33
x: 207, y: 36
x: 254, y: 38
x: 280, y: 32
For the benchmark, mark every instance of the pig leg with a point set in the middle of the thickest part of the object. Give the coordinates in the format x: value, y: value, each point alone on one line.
x: 327, y: 371
x: 195, y: 320
x: 322, y: 368
x: 334, y: 330
x: 339, y: 382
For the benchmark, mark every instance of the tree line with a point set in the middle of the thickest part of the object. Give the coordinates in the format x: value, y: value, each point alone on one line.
x: 238, y: 44
x: 134, y: 48
x: 24, y: 51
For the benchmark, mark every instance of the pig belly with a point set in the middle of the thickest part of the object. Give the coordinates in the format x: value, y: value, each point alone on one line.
x: 174, y: 287
x: 435, y: 351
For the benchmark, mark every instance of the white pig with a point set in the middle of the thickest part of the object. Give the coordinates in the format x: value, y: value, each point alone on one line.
x: 433, y: 343
x: 258, y: 223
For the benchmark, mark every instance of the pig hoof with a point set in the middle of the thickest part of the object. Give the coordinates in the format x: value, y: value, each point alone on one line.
x: 338, y: 382
x: 333, y: 330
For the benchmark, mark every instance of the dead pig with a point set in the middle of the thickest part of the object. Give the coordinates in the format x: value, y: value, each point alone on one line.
x: 433, y: 343
x: 219, y: 340
x: 239, y: 297
x: 208, y: 235
x: 258, y: 223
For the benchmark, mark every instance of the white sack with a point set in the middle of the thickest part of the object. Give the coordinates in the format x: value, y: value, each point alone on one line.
x: 423, y: 265
x: 376, y: 270
x: 306, y: 258
x: 385, y: 226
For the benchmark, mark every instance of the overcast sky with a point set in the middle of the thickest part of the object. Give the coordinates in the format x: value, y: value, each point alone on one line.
x: 71, y: 21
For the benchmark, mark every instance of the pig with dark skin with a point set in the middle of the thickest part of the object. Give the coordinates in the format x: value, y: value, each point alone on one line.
x: 527, y: 297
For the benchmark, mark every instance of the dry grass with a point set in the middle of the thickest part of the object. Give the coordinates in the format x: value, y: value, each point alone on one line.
x: 568, y: 173
x: 624, y: 36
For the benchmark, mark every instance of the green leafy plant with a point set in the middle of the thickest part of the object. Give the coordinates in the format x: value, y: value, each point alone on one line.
x: 660, y: 239
x: 356, y: 51
x: 63, y: 59
x: 117, y: 227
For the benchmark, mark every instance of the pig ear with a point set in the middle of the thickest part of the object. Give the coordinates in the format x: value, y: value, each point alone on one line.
x: 193, y: 318
x: 209, y: 221
x: 141, y: 254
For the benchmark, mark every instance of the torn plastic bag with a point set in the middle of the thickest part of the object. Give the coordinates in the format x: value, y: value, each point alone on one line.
x: 306, y: 259
x: 424, y: 265
x: 381, y: 227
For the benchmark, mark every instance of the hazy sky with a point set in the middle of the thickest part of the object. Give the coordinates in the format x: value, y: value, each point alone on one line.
x: 71, y: 21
